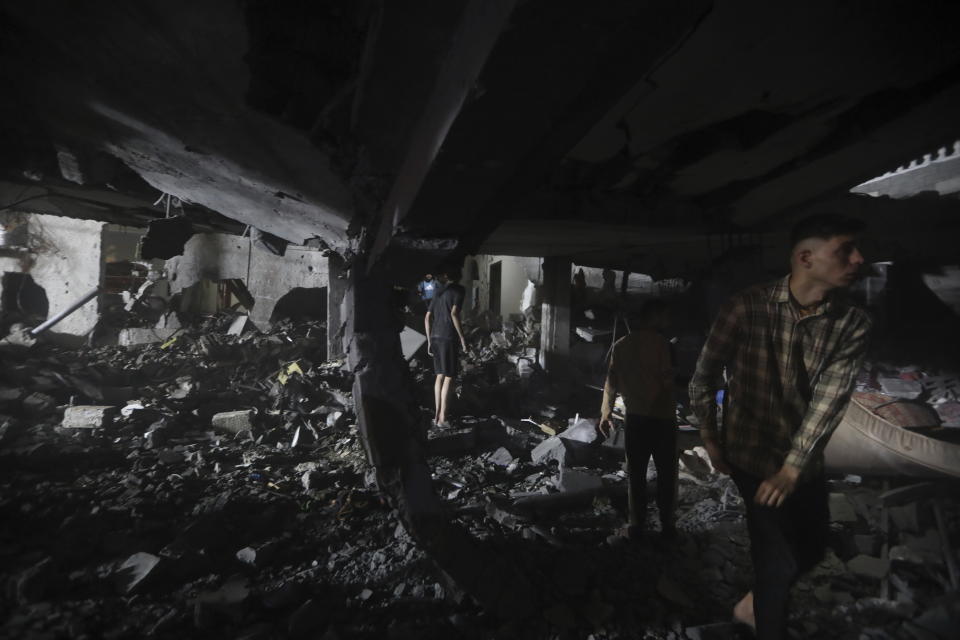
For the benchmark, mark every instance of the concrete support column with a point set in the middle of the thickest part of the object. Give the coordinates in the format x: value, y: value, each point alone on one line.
x: 336, y: 286
x: 555, y: 319
x: 394, y: 433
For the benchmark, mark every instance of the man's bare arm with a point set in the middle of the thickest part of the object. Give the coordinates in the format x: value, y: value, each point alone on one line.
x: 455, y: 317
x: 605, y: 425
x: 426, y: 325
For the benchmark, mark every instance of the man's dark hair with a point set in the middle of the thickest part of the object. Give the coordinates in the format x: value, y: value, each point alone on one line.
x: 825, y: 226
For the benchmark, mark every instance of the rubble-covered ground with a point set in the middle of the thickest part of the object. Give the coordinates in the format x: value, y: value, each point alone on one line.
x: 226, y: 495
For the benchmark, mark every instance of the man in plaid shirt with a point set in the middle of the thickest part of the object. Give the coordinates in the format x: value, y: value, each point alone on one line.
x: 791, y: 351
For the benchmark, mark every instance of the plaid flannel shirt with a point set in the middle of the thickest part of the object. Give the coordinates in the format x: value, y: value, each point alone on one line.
x: 789, y: 378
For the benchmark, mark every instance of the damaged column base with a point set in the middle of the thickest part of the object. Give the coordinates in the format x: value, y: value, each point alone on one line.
x: 389, y: 420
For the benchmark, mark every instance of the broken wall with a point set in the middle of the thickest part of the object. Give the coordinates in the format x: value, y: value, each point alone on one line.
x: 216, y: 256
x: 64, y: 257
x: 515, y: 273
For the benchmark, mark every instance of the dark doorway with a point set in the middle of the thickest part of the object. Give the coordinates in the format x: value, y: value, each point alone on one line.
x: 496, y: 275
x: 301, y: 303
x: 23, y: 299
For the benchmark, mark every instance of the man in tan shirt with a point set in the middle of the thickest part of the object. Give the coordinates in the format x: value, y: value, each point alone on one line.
x: 641, y: 371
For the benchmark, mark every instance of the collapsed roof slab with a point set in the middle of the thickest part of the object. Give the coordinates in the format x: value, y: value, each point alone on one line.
x: 162, y: 87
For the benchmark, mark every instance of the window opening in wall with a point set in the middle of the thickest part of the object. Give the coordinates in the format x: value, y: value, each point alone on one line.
x: 496, y: 286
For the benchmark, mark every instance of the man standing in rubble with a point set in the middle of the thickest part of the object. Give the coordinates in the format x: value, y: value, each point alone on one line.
x: 641, y: 371
x: 425, y: 290
x: 445, y: 337
x: 792, y: 350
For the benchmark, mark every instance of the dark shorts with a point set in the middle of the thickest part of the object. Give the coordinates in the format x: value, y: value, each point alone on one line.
x: 445, y: 356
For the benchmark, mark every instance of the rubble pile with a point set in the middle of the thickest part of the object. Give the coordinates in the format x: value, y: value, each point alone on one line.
x: 213, y: 485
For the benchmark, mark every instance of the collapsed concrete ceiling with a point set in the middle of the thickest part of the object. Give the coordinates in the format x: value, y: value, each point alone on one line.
x: 372, y: 125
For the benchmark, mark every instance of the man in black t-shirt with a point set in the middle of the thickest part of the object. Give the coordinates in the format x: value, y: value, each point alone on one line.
x: 445, y: 337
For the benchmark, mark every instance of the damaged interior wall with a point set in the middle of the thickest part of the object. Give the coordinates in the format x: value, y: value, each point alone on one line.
x: 268, y: 277
x: 514, y: 275
x: 63, y: 256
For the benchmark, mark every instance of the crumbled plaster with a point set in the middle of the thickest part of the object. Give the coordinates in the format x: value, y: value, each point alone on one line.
x: 215, y: 256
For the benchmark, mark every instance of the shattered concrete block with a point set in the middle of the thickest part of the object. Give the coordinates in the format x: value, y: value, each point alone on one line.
x: 869, y: 567
x: 135, y: 570
x: 233, y: 421
x: 87, y: 417
x: 238, y: 326
x: 899, y: 388
x: 411, y: 341
x: 550, y: 449
x: 133, y: 336
x: 583, y: 431
x: 840, y: 509
x: 501, y: 457
x: 573, y: 481
x: 247, y: 555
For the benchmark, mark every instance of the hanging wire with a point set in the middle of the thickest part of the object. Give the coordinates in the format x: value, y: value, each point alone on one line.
x: 169, y: 201
x: 249, y: 230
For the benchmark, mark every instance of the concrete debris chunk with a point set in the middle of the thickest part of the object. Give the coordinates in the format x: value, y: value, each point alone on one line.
x: 135, y: 336
x: 899, y: 388
x: 247, y: 555
x: 411, y: 341
x: 551, y: 449
x: 574, y: 481
x: 501, y: 457
x: 583, y: 430
x: 233, y: 421
x: 135, y: 570
x: 239, y: 325
x: 19, y: 336
x: 87, y: 417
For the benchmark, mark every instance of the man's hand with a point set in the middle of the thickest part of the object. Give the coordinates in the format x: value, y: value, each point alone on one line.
x: 775, y: 489
x: 605, y: 426
x: 716, y: 456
